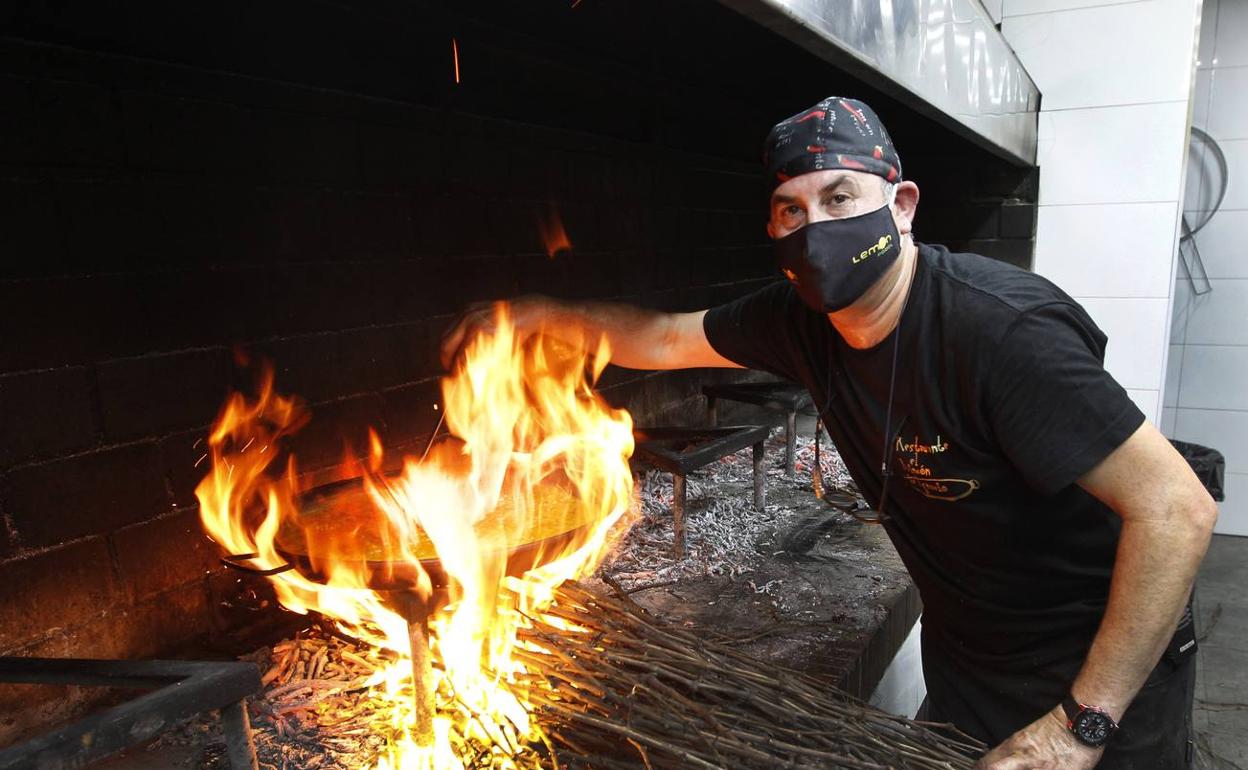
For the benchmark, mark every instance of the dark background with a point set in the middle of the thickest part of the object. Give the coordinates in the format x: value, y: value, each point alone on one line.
x: 304, y: 180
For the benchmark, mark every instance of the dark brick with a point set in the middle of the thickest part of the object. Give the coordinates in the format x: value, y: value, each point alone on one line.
x: 307, y: 148
x: 243, y: 604
x: 397, y: 157
x: 167, y: 553
x: 336, y: 428
x: 185, y: 463
x: 276, y: 223
x: 1018, y: 221
x: 154, y: 395
x: 86, y: 494
x: 78, y: 124
x: 19, y: 133
x: 410, y: 411
x: 107, y: 224
x: 45, y: 413
x: 177, y: 134
x: 30, y: 236
x: 57, y: 588
x: 361, y: 226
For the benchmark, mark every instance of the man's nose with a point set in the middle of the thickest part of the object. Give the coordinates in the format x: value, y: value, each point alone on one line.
x: 815, y: 213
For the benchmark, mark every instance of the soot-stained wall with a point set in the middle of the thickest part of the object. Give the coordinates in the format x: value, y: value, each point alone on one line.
x: 306, y: 181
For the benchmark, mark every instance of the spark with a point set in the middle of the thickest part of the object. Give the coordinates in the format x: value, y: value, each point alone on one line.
x: 200, y: 460
x: 244, y: 449
x: 455, y: 56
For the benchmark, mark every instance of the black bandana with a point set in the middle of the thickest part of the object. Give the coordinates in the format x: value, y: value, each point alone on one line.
x: 835, y: 133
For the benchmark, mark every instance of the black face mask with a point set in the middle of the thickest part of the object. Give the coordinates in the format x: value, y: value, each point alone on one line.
x: 832, y: 263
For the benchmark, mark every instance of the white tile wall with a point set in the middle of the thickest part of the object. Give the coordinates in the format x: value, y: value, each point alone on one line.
x: 1107, y: 250
x: 1022, y: 7
x: 1223, y: 243
x: 1136, y: 328
x: 1220, y: 316
x: 1231, y: 34
x: 1225, y: 431
x: 1170, y: 393
x: 1220, y: 107
x: 1146, y: 400
x: 1214, y: 377
x: 1205, y: 176
x: 993, y: 7
x: 1112, y: 154
x: 1143, y: 71
x: 1167, y: 421
x: 1233, y: 514
x: 1181, y: 309
x: 1208, y: 30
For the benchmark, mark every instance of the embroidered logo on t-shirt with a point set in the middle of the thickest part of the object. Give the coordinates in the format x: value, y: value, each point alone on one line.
x: 917, y: 461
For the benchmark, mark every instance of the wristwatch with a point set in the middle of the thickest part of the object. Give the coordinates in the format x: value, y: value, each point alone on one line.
x: 1091, y: 726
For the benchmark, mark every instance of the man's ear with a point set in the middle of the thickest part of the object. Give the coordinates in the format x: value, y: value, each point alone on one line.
x: 906, y: 205
x: 771, y: 230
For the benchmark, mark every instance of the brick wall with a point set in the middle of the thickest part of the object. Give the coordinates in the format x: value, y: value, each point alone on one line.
x: 305, y: 181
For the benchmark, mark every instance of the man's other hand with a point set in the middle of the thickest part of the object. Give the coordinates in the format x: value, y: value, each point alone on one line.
x: 527, y: 314
x: 1045, y: 743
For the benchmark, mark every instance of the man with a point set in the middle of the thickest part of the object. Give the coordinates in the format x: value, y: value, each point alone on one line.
x: 1053, y: 533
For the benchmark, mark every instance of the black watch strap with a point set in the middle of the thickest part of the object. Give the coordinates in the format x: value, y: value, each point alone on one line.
x: 1091, y: 726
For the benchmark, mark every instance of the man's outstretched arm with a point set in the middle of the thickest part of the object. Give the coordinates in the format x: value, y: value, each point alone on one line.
x: 638, y: 338
x: 1167, y: 520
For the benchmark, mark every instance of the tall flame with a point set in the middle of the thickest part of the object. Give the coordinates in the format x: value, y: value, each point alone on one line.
x: 480, y: 532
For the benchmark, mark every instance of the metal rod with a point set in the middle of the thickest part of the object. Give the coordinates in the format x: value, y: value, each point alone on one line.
x: 712, y: 412
x: 760, y: 478
x: 790, y: 441
x: 415, y: 610
x: 239, y: 748
x: 679, y: 496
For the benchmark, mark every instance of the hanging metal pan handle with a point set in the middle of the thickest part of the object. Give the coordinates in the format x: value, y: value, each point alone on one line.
x: 238, y: 561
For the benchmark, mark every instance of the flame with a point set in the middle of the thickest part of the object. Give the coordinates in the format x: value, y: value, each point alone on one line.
x: 553, y: 234
x: 479, y: 533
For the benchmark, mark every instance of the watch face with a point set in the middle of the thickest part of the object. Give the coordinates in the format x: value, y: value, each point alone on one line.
x: 1092, y: 727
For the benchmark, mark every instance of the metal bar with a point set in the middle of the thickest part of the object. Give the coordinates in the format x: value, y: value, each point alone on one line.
x: 760, y: 478
x: 790, y: 442
x: 183, y: 690
x: 679, y: 496
x: 415, y: 610
x: 236, y: 726
x: 712, y: 415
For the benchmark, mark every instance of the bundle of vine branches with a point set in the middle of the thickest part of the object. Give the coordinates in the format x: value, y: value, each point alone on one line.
x: 630, y: 692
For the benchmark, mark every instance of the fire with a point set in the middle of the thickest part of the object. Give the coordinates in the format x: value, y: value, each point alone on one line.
x: 553, y: 234
x: 474, y: 538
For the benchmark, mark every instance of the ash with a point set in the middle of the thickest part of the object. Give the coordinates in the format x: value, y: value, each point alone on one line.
x: 724, y: 535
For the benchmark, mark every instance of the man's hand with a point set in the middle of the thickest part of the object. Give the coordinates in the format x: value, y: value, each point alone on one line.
x: 527, y: 316
x: 1045, y: 743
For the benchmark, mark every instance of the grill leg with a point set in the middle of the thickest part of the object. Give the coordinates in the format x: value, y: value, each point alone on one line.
x: 237, y: 728
x: 712, y: 412
x: 760, y: 478
x: 790, y: 442
x: 678, y: 515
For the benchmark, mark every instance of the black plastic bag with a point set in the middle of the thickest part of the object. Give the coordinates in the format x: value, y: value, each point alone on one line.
x: 1208, y: 464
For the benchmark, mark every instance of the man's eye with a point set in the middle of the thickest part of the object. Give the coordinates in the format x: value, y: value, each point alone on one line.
x: 840, y: 199
x: 792, y: 211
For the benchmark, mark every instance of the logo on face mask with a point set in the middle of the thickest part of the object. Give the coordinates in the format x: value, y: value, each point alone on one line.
x: 885, y: 243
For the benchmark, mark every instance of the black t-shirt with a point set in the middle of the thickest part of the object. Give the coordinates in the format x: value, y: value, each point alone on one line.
x: 1001, y: 403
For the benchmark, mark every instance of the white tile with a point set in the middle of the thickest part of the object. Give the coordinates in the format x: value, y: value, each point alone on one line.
x: 1208, y: 28
x: 1236, y: 151
x: 1214, y: 377
x: 1024, y: 7
x: 1220, y: 316
x: 1233, y: 513
x: 1136, y: 329
x: 1107, y: 250
x: 1147, y: 58
x: 1112, y: 154
x: 1225, y: 431
x: 1202, y: 91
x: 1167, y: 421
x: 993, y: 7
x: 1227, y: 116
x: 1222, y: 243
x: 1231, y: 43
x: 1146, y: 400
x: 1204, y: 175
x: 1181, y: 307
x: 1174, y: 366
